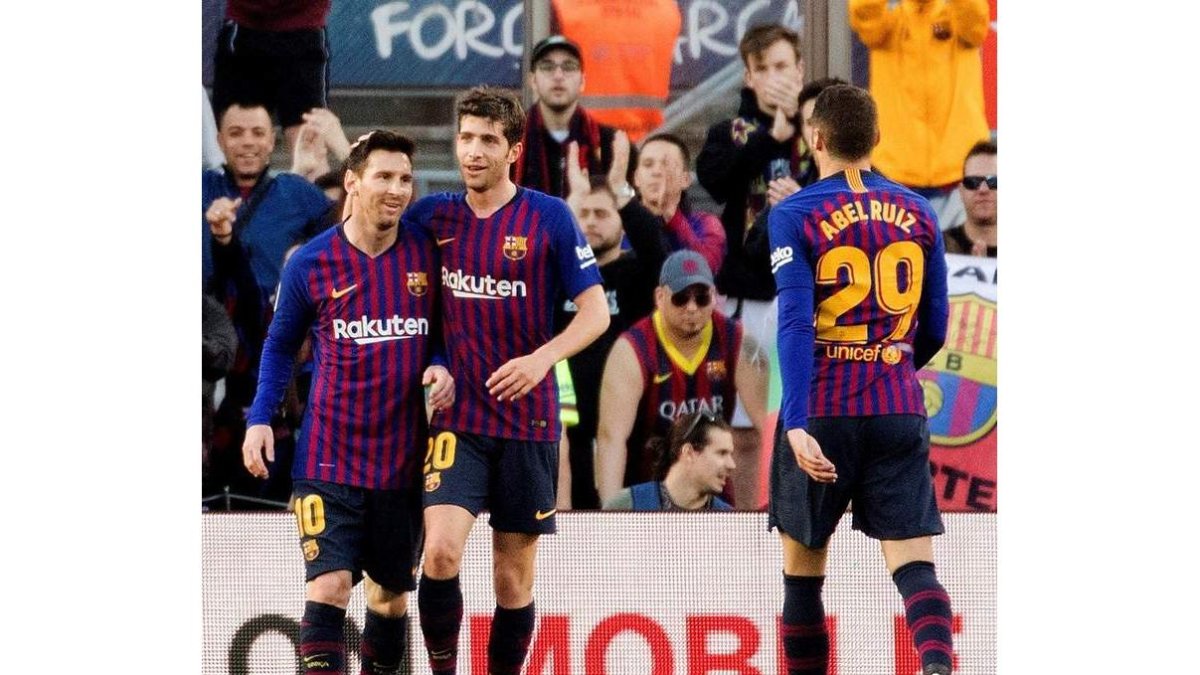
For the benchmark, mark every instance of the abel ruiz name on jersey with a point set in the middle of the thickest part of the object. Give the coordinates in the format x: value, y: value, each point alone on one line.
x: 365, y: 331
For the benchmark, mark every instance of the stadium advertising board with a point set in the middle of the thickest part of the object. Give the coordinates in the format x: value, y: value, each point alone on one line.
x: 461, y: 43
x: 620, y: 593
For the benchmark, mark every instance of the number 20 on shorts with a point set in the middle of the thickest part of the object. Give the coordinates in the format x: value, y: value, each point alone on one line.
x: 440, y: 455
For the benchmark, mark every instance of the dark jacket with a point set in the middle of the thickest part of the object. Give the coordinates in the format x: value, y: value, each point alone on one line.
x: 738, y: 160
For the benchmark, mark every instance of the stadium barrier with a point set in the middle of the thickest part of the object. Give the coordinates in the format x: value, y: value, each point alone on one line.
x: 619, y: 593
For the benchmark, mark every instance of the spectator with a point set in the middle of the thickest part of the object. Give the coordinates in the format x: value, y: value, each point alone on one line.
x: 248, y: 206
x: 662, y: 178
x: 683, y: 358
x: 219, y: 348
x: 927, y: 79
x: 977, y: 236
x: 740, y: 158
x: 251, y: 217
x: 694, y: 461
x: 628, y: 276
x: 630, y: 47
x: 557, y: 119
x: 277, y: 53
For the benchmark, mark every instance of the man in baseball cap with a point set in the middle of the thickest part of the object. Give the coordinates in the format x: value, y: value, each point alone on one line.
x: 557, y: 120
x: 683, y: 358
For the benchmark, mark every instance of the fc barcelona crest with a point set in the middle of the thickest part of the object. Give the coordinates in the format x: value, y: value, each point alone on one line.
x: 715, y: 371
x: 960, y: 382
x: 515, y: 247
x: 433, y: 481
x: 418, y: 283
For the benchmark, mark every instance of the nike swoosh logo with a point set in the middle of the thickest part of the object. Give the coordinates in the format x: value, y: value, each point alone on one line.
x: 443, y: 242
x: 542, y: 515
x: 337, y: 294
x: 659, y: 379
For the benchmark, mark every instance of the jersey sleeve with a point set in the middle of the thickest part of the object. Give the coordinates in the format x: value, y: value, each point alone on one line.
x: 794, y: 279
x: 573, y: 258
x: 419, y: 215
x: 294, y: 313
x: 935, y: 306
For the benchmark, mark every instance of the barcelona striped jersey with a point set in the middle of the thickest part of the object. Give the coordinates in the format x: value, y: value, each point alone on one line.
x: 861, y: 270
x: 373, y: 324
x: 500, y: 277
x: 673, y: 385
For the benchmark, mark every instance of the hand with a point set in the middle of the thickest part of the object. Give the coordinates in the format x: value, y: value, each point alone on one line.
x: 979, y: 248
x: 330, y: 129
x: 780, y: 188
x: 221, y: 215
x: 620, y: 161
x: 310, y: 158
x: 517, y: 377
x: 784, y: 94
x: 578, y: 183
x: 654, y: 197
x: 782, y: 128
x: 810, y: 458
x: 441, y: 387
x: 258, y: 438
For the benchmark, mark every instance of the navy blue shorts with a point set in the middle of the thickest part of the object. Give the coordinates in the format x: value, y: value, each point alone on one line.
x: 343, y: 527
x: 883, y: 469
x: 514, y: 480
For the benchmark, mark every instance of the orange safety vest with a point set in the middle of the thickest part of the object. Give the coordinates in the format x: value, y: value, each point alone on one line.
x: 628, y: 47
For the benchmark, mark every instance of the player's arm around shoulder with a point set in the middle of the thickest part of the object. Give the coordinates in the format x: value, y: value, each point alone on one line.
x: 621, y: 389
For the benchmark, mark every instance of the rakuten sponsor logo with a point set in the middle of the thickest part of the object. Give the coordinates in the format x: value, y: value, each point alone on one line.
x: 463, y: 285
x: 365, y: 331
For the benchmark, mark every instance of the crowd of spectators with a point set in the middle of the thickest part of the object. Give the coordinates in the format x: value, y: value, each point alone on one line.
x: 681, y: 372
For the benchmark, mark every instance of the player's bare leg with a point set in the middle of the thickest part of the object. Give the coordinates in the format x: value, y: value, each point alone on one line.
x: 385, y: 631
x: 439, y: 595
x: 926, y: 604
x: 322, y: 641
x: 513, y: 558
x: 805, y: 637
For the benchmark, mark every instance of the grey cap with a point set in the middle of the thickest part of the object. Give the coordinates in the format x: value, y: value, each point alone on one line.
x: 554, y: 42
x: 685, y: 268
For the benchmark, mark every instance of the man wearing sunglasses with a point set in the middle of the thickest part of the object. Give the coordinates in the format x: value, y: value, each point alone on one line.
x: 682, y: 359
x: 977, y: 236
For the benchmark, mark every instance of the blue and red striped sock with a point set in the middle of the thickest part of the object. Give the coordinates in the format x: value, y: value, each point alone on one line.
x: 322, y: 639
x: 927, y: 612
x: 384, y: 642
x: 509, y: 642
x: 441, y: 604
x: 805, y: 638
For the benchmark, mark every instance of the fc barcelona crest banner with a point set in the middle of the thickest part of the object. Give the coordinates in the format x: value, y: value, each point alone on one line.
x: 960, y: 390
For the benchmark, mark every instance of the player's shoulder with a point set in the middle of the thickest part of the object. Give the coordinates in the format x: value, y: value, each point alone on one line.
x: 542, y: 201
x: 318, y: 247
x: 877, y: 182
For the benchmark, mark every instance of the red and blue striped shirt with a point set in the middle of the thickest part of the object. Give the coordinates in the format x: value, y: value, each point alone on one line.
x: 374, y: 325
x: 500, y: 278
x: 861, y: 270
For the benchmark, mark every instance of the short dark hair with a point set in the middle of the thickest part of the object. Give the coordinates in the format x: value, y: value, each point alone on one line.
x: 980, y: 148
x: 496, y: 105
x: 848, y: 121
x: 244, y: 104
x: 377, y: 139
x: 813, y: 89
x: 760, y: 38
x: 695, y: 428
x: 600, y: 184
x: 669, y: 137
